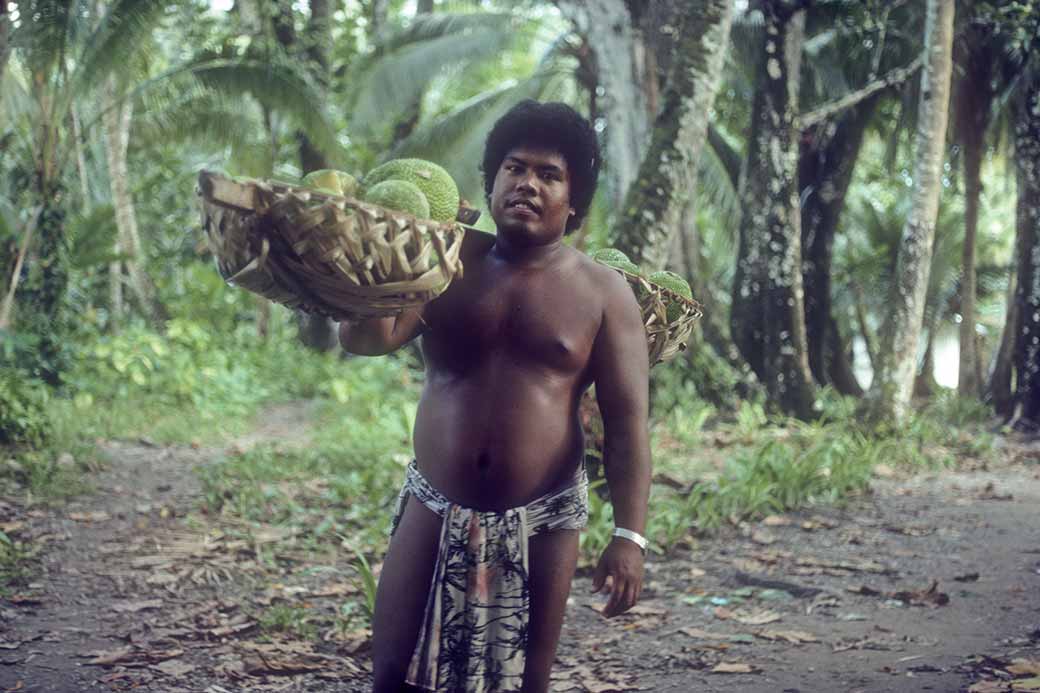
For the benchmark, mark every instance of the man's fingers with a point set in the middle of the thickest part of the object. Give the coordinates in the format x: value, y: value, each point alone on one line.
x: 616, y: 603
x: 598, y: 577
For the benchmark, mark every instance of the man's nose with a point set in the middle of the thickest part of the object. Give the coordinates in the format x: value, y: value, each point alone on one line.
x: 526, y: 182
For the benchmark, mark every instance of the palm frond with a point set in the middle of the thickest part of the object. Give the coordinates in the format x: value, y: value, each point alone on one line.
x: 200, y: 116
x: 277, y: 84
x: 398, y: 78
x: 123, y: 32
x: 456, y: 141
x: 44, y: 32
x: 716, y: 187
x: 429, y: 27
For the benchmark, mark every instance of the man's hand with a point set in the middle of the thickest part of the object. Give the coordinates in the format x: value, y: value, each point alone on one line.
x: 619, y: 572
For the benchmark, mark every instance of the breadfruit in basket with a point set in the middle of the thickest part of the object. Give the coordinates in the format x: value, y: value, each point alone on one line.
x: 673, y: 282
x: 401, y: 196
x: 331, y: 181
x: 438, y: 186
x: 615, y: 258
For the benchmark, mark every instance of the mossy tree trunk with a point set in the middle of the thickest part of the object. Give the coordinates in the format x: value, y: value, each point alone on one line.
x: 1027, y: 293
x: 892, y: 387
x: 767, y: 319
x: 654, y: 206
x: 43, y: 300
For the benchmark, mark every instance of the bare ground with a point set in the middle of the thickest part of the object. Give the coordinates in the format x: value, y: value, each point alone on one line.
x: 928, y: 583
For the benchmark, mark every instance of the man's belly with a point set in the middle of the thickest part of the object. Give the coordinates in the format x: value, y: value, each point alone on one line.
x: 497, y: 440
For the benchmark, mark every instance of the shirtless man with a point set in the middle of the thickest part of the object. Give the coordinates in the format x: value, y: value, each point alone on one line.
x: 509, y: 350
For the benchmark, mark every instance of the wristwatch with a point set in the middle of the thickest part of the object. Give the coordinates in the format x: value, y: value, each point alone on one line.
x: 634, y: 537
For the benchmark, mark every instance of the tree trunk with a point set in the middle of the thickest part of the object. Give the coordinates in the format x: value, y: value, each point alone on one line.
x: 16, y: 273
x: 117, y: 119
x: 826, y: 161
x: 1027, y: 242
x: 379, y: 11
x: 409, y: 118
x: 621, y: 105
x: 5, y: 37
x: 654, y: 205
x: 43, y: 304
x: 892, y: 386
x: 998, y: 390
x: 767, y: 319
x: 972, y: 103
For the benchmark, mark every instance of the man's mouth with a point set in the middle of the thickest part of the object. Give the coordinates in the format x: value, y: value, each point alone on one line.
x: 521, y: 204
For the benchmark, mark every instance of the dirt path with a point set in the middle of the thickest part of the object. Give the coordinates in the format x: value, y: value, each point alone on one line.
x: 927, y: 584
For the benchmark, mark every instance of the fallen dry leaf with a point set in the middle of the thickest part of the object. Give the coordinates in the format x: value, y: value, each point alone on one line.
x: 172, y: 667
x: 134, y: 607
x: 761, y: 536
x: 1026, y: 685
x: 757, y: 618
x: 733, y: 668
x: 989, y: 687
x: 1024, y: 667
x: 92, y: 516
x: 703, y: 634
x: 793, y: 636
x: 776, y: 521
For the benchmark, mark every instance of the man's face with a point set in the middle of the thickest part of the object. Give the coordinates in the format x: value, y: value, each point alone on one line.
x: 530, y: 198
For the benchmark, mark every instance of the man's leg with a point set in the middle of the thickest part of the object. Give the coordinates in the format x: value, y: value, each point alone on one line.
x: 553, y: 557
x: 404, y: 584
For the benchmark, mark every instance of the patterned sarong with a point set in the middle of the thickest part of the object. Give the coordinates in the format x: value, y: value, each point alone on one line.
x: 474, y: 633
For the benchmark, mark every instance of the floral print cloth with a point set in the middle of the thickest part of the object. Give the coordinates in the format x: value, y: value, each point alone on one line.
x: 474, y: 633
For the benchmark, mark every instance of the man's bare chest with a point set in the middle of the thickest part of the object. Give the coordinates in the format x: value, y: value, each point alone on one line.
x: 547, y: 319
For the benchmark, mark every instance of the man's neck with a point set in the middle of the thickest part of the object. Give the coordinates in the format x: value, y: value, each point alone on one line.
x: 531, y: 257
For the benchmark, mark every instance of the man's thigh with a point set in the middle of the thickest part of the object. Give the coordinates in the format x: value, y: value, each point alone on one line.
x: 404, y: 584
x: 553, y: 557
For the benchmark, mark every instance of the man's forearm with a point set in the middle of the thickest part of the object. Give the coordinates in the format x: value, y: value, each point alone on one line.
x: 368, y: 336
x: 626, y: 463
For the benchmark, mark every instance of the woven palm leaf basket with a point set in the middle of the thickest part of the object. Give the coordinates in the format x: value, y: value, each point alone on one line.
x: 323, y: 253
x: 667, y: 316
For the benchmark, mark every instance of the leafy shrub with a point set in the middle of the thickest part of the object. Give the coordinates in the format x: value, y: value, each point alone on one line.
x: 23, y: 410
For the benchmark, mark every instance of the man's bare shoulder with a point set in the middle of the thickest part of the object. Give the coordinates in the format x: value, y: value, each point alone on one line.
x: 607, y: 282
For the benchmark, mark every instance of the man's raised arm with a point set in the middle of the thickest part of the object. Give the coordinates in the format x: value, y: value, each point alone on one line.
x: 377, y: 336
x: 620, y: 368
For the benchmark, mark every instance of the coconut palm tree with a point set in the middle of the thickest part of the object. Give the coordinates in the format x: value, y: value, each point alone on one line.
x: 61, y: 56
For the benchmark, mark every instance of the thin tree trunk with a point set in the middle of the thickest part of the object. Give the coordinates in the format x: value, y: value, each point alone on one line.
x: 609, y: 28
x: 117, y: 120
x: 893, y: 382
x: 972, y: 98
x: 869, y: 343
x: 653, y: 208
x: 1027, y: 242
x: 998, y: 390
x: 767, y: 319
x: 379, y: 11
x: 5, y: 37
x: 16, y: 274
x: 409, y: 118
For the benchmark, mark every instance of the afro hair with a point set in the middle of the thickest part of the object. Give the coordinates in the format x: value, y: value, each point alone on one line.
x: 554, y: 126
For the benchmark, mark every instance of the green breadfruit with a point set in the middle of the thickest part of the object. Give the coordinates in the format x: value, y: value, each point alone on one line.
x: 672, y: 281
x: 331, y: 181
x: 607, y: 255
x: 438, y: 186
x: 626, y: 265
x: 399, y: 195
